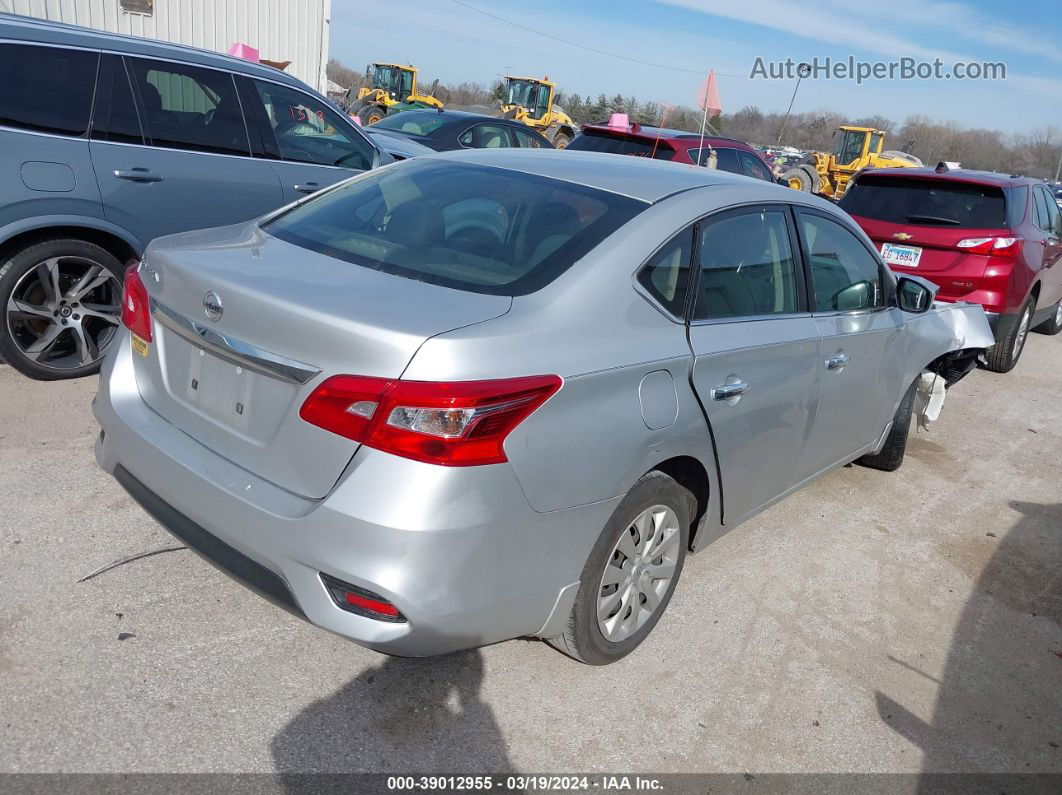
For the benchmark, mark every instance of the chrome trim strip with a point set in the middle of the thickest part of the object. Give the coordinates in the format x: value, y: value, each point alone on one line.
x: 233, y: 350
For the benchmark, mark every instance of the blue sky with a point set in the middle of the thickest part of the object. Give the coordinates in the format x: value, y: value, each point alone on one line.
x: 455, y: 44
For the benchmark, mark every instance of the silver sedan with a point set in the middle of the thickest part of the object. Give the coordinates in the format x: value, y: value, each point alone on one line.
x: 491, y: 394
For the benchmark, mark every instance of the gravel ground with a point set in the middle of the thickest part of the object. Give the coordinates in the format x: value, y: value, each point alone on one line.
x: 903, y: 622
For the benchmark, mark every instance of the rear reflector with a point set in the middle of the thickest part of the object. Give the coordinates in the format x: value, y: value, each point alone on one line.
x: 136, y: 309
x: 357, y: 600
x: 996, y: 246
x: 457, y: 423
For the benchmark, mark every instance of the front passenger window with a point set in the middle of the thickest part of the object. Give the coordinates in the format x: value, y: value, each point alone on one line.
x: 308, y: 131
x: 845, y: 276
x: 747, y: 267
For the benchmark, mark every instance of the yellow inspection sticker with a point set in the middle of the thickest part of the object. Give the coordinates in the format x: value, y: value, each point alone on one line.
x: 139, y: 345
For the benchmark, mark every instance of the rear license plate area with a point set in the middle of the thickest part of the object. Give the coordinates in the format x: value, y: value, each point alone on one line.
x: 901, y: 256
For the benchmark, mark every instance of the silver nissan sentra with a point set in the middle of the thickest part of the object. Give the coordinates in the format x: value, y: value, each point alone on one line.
x: 492, y: 394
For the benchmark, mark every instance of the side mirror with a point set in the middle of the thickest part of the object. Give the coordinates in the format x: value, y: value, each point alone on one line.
x: 913, y: 296
x: 853, y: 297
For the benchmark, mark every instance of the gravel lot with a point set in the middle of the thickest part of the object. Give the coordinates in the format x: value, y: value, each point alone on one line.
x: 873, y: 622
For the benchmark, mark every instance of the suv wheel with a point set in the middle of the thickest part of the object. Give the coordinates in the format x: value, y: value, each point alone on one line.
x: 62, y: 304
x: 1054, y: 324
x: 1005, y: 353
x: 631, y: 573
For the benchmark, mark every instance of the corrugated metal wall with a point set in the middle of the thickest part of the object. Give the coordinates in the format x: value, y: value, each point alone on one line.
x: 282, y: 30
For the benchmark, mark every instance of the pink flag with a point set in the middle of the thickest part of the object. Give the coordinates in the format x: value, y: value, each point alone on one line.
x: 708, y: 96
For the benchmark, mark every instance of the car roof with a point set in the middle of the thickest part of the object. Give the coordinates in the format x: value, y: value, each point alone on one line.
x: 39, y: 31
x: 650, y: 133
x: 955, y: 175
x: 454, y: 115
x: 640, y: 178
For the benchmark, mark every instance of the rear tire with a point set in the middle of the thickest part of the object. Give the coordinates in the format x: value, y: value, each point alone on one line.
x: 1052, y: 325
x: 798, y: 179
x: 60, y: 304
x: 889, y: 458
x: 1004, y: 354
x: 623, y: 591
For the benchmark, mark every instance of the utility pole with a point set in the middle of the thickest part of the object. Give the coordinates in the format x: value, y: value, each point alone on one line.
x: 803, y: 70
x: 1059, y: 169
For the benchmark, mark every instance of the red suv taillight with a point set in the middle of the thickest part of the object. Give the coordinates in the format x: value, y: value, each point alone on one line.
x: 136, y: 308
x: 458, y: 423
x: 996, y: 246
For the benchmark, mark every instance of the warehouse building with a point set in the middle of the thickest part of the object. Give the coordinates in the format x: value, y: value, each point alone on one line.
x: 281, y: 30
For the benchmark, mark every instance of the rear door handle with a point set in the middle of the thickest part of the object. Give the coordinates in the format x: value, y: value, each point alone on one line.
x: 837, y: 362
x: 729, y: 391
x: 309, y: 187
x: 138, y: 175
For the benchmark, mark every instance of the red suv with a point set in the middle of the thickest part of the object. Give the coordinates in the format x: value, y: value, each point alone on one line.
x: 640, y: 140
x: 987, y: 238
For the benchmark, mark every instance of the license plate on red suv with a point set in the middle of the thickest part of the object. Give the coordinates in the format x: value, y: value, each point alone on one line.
x: 901, y: 256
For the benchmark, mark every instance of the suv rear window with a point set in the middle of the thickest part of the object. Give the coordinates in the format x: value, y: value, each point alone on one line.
x: 590, y: 141
x: 48, y: 89
x: 470, y: 227
x: 927, y: 202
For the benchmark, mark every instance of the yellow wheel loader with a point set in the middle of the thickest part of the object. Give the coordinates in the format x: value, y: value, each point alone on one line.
x: 388, y: 85
x: 530, y: 100
x: 854, y: 148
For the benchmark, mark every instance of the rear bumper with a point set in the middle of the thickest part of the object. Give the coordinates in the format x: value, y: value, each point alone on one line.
x: 459, y: 551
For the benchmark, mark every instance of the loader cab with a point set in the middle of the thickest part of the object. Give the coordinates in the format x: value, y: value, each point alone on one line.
x: 855, y: 147
x: 534, y: 96
x: 398, y: 82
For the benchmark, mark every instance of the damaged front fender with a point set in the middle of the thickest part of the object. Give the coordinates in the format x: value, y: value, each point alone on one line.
x: 948, y: 339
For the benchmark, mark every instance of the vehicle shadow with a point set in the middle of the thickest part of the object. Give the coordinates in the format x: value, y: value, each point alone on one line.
x: 1000, y: 695
x: 403, y: 716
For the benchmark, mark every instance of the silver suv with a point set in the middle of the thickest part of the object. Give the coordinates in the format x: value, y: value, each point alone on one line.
x: 110, y: 141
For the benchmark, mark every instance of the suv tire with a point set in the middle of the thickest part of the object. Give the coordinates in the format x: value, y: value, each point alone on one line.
x: 1053, y: 325
x: 1005, y: 353
x: 646, y: 535
x: 61, y: 303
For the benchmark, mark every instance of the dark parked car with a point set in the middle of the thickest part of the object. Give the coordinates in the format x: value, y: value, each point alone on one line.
x: 445, y: 130
x: 109, y: 141
x: 678, y: 146
x: 987, y: 238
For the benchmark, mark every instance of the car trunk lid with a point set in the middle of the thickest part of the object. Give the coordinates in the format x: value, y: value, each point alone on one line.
x: 245, y: 325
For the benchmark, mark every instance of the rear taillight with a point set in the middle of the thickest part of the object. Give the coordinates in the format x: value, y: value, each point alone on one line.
x: 136, y: 309
x: 458, y: 423
x: 996, y: 246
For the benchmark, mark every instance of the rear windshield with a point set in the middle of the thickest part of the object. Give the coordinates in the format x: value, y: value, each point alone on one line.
x: 929, y: 202
x: 415, y: 122
x: 590, y: 141
x: 471, y: 227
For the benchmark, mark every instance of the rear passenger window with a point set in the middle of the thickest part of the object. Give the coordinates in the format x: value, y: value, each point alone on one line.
x: 666, y: 276
x: 747, y: 267
x: 845, y: 276
x: 115, y: 117
x: 185, y: 107
x: 491, y: 136
x: 47, y: 89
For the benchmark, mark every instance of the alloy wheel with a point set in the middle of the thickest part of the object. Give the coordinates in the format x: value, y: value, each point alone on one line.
x: 63, y: 313
x: 1023, y: 332
x: 638, y: 573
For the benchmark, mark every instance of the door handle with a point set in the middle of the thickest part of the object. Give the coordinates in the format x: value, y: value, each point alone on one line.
x: 309, y: 187
x: 837, y: 362
x: 138, y: 175
x: 729, y: 391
